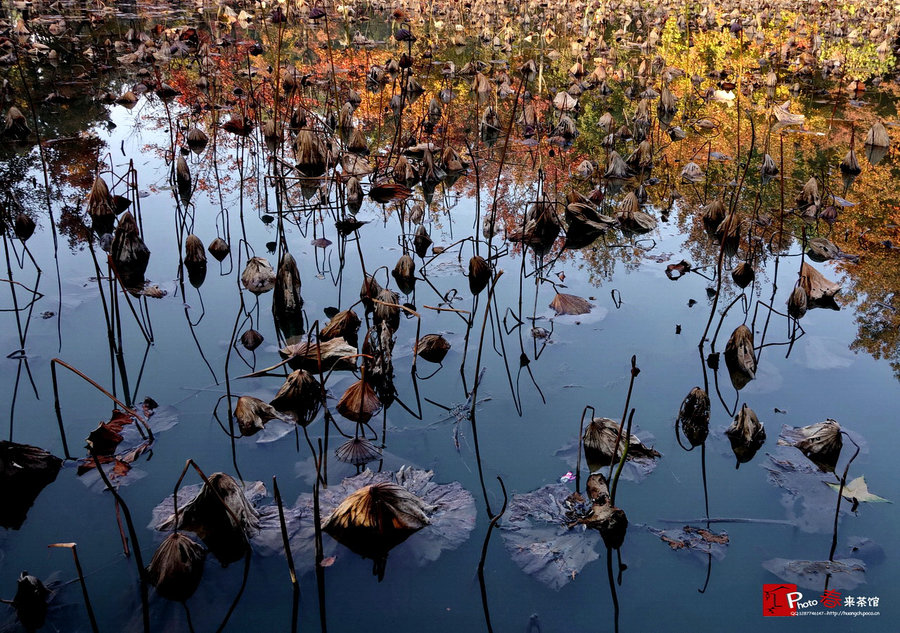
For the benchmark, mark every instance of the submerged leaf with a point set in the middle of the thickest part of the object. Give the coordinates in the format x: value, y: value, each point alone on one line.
x: 842, y: 575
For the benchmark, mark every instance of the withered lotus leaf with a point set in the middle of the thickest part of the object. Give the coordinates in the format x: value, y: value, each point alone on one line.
x: 387, y: 309
x: 24, y: 471
x: 310, y: 154
x: 570, y: 304
x: 746, y: 434
x: 177, y: 567
x: 129, y: 252
x: 287, y: 301
x: 877, y: 136
x: 251, y: 339
x: 821, y: 443
x: 693, y: 416
x: 359, y: 402
x: 809, y: 195
x: 405, y: 273
x: 252, y: 414
x: 817, y: 287
x: 182, y: 175
x: 357, y: 451
x: 479, y: 274
x: 219, y: 249
x: 692, y: 173
x: 609, y: 520
x: 370, y: 289
x: 617, y: 168
x: 30, y: 602
x: 197, y: 139
x: 714, y: 213
x: 850, y: 164
x: 421, y: 241
x: 221, y: 516
x: 193, y: 250
x: 344, y: 324
x: 258, y: 276
x: 16, y: 125
x: 101, y: 207
x: 599, y: 441
x: 432, y: 347
x: 821, y: 249
x: 740, y: 357
x: 300, y: 396
x: 376, y: 518
x: 385, y: 192
x: 743, y: 274
x: 319, y: 356
x: 798, y: 302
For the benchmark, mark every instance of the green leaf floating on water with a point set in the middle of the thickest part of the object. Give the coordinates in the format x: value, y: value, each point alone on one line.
x: 857, y: 490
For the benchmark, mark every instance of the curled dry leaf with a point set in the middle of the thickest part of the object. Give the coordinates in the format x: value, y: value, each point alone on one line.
x: 252, y: 414
x: 300, y: 397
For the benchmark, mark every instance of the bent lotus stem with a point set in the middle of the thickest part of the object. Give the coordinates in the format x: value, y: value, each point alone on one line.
x: 580, y: 440
x: 131, y: 412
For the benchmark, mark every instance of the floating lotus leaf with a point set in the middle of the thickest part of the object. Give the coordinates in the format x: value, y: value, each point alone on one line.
x: 542, y: 539
x: 30, y: 602
x: 449, y: 510
x: 694, y: 539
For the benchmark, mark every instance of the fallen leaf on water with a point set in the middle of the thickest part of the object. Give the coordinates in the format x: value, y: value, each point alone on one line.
x: 570, y: 304
x: 858, y: 491
x: 328, y: 561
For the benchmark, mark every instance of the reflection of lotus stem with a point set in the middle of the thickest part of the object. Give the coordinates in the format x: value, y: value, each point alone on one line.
x: 287, y: 553
x: 138, y: 559
x: 837, y: 510
x: 484, y: 548
x: 84, y: 591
